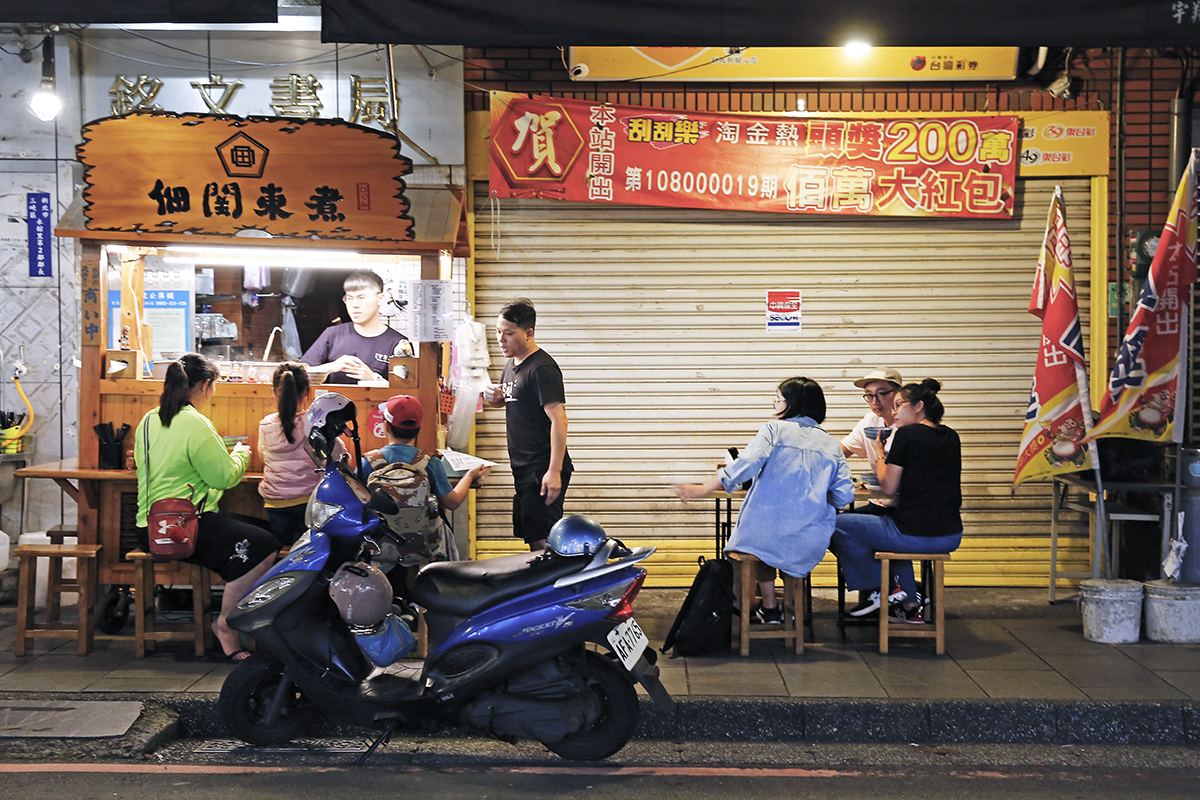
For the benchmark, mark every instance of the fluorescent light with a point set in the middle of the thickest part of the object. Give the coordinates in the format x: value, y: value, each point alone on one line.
x: 857, y: 48
x: 217, y: 261
x: 264, y: 253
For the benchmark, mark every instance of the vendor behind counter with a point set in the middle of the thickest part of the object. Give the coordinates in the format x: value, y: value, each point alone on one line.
x: 358, y: 350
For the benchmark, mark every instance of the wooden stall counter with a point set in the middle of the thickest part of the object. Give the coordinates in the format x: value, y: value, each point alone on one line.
x: 107, y: 511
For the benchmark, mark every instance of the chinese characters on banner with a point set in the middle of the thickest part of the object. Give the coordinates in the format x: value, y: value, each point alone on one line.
x: 38, y: 215
x: 1059, y: 411
x: 1142, y: 398
x: 201, y: 174
x: 561, y: 149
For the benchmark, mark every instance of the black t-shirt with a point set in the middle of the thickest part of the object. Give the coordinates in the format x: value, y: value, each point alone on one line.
x: 342, y: 340
x: 930, y: 493
x: 528, y: 387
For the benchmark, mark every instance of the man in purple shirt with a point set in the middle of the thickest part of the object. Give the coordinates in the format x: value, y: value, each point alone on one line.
x: 357, y: 350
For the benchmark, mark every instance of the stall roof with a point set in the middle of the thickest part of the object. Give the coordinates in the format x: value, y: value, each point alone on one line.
x: 191, y: 11
x: 760, y: 23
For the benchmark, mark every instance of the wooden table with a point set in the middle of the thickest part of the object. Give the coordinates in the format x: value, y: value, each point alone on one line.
x: 98, y: 497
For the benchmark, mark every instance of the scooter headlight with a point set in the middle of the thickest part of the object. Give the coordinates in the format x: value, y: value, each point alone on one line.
x: 320, y: 512
x: 267, y: 592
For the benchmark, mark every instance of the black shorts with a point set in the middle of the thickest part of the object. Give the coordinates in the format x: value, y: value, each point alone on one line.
x: 532, y: 518
x: 225, y: 545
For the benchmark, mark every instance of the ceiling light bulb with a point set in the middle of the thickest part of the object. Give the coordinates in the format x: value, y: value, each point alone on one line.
x: 857, y: 48
x: 45, y: 104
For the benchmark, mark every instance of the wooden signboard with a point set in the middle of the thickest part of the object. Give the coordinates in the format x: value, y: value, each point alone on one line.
x: 215, y: 175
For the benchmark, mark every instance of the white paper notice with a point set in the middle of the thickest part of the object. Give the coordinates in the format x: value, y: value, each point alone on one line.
x: 462, y: 462
x: 432, y: 307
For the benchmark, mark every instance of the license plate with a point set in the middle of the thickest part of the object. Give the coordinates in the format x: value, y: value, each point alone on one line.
x: 628, y: 641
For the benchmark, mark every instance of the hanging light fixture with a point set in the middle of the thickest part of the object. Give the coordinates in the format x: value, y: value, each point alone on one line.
x: 45, y: 103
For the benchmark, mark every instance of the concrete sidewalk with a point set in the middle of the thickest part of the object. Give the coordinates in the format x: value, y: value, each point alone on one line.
x: 1016, y: 670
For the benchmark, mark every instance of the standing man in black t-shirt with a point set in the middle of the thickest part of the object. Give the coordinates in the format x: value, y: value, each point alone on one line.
x: 531, y: 393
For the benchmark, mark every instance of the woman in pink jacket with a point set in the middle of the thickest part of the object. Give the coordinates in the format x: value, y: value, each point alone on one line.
x: 289, y: 475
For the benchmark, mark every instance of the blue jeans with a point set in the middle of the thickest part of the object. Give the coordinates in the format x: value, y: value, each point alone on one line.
x: 857, y: 537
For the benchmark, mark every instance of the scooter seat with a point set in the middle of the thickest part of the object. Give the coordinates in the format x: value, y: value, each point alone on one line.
x: 463, y: 588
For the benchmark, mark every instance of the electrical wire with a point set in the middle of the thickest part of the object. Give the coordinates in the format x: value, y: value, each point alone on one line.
x: 309, y: 61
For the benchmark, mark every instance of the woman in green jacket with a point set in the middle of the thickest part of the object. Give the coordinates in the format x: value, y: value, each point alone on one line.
x: 185, y: 448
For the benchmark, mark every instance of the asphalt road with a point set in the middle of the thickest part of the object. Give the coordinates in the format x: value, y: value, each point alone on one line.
x: 148, y: 781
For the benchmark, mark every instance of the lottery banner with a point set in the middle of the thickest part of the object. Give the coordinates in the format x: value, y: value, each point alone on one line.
x: 940, y: 166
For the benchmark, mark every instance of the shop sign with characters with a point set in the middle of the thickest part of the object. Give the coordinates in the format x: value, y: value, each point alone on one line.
x: 553, y: 148
x: 220, y: 175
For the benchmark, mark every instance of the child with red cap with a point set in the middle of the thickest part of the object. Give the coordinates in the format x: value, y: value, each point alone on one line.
x: 404, y: 415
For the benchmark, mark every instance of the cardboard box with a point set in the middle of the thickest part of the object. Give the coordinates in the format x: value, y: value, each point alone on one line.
x: 402, y: 372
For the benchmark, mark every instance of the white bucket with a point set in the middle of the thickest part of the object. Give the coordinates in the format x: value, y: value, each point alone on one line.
x: 1112, y: 610
x: 5, y: 554
x: 1172, y: 612
x: 43, y: 569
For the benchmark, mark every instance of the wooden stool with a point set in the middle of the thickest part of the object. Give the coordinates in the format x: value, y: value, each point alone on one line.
x: 933, y: 570
x: 84, y: 584
x: 146, y: 630
x: 745, y: 584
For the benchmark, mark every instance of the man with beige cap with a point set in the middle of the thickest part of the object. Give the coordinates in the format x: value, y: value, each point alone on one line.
x: 879, y: 386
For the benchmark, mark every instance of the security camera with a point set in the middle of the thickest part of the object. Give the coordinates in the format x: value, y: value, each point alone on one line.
x: 579, y: 72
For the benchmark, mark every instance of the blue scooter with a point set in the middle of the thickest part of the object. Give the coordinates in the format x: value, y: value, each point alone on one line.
x: 507, y: 637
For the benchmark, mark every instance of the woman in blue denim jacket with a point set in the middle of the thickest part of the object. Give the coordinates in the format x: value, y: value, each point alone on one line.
x: 800, y: 480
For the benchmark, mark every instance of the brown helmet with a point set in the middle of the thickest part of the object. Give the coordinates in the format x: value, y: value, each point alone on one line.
x: 362, y: 593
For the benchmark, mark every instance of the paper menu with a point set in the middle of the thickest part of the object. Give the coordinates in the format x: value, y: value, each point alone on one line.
x: 462, y: 462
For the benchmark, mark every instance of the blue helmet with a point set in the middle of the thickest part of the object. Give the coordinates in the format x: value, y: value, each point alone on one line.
x: 576, y: 535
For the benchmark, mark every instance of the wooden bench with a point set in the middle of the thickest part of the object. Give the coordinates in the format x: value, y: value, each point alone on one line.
x: 84, y: 584
x: 933, y: 587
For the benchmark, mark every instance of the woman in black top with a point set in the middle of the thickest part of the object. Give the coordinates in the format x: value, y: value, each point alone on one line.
x: 924, y: 470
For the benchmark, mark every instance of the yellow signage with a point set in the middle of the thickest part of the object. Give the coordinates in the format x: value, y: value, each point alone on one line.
x: 792, y: 64
x: 1063, y: 143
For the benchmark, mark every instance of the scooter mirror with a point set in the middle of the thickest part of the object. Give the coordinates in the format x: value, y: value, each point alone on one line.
x: 381, y: 502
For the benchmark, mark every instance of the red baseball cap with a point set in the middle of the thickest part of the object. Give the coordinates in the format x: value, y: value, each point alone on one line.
x: 404, y: 411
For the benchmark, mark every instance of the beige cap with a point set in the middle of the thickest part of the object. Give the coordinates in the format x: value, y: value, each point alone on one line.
x: 889, y: 375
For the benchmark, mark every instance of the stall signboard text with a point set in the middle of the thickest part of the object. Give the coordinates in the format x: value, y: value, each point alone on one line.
x: 219, y: 175
x: 553, y: 148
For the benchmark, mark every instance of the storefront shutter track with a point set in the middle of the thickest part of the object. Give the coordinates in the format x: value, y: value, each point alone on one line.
x: 657, y: 318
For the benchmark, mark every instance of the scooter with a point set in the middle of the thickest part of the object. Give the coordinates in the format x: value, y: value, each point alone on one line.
x: 507, y: 637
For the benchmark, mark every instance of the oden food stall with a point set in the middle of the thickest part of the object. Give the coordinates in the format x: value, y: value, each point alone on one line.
x: 195, y: 232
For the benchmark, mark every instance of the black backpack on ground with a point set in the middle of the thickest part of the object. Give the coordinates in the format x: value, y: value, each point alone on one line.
x: 704, y: 620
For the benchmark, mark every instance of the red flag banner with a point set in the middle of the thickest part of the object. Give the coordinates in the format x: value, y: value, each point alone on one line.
x: 946, y: 166
x: 1055, y: 421
x: 1145, y: 397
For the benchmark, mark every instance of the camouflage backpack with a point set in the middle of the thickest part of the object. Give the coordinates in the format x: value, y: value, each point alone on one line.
x: 418, y: 523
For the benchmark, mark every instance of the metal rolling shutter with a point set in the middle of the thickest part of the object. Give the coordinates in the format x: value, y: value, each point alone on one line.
x: 657, y: 319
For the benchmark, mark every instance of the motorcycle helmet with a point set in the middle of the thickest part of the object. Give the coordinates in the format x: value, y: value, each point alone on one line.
x: 576, y: 535
x: 362, y: 594
x: 326, y: 420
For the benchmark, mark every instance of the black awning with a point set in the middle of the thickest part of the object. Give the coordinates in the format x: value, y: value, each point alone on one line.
x: 100, y: 11
x: 762, y: 23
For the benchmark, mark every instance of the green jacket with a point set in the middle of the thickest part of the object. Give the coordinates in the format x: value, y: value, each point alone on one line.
x: 189, y: 450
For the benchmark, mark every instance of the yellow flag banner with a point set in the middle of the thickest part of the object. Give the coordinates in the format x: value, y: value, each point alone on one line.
x: 1145, y: 389
x: 1055, y: 421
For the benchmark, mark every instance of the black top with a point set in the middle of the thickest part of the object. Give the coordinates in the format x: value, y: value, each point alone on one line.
x: 340, y: 340
x: 528, y: 387
x: 930, y: 493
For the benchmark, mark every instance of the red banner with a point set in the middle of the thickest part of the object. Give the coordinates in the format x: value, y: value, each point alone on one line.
x: 548, y: 147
